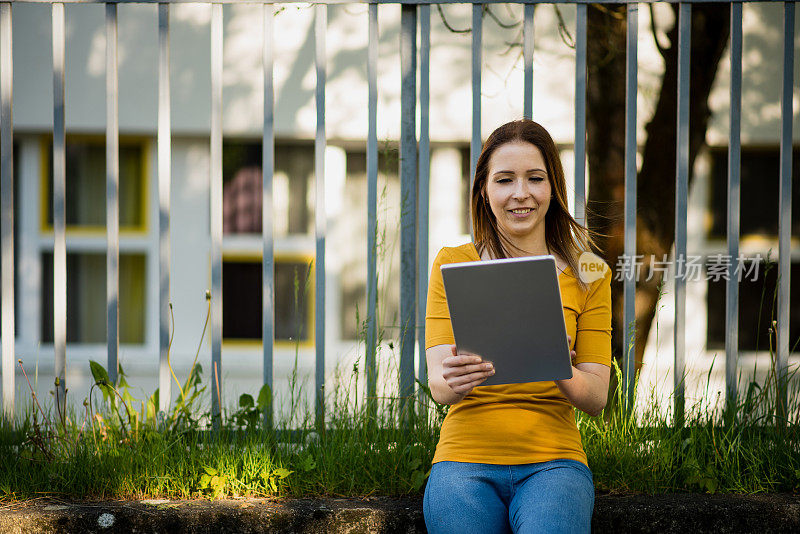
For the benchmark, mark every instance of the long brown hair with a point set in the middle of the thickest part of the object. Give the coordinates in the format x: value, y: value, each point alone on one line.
x: 563, y: 235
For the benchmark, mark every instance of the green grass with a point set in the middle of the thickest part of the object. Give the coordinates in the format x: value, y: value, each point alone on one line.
x: 119, y: 447
x: 112, y: 455
x: 746, y: 449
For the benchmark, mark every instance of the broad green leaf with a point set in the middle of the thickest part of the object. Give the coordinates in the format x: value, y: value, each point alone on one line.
x: 307, y: 463
x: 128, y: 398
x: 282, y: 472
x: 152, y: 405
x: 108, y: 392
x: 246, y: 401
x: 99, y: 373
x: 264, y: 397
x: 121, y: 378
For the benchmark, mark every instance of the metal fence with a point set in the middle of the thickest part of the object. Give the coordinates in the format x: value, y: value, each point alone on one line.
x: 414, y: 175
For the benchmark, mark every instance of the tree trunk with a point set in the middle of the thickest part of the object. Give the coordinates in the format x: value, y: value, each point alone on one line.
x: 655, y: 223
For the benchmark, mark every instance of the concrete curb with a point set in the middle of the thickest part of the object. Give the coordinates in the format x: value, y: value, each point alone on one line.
x: 637, y: 513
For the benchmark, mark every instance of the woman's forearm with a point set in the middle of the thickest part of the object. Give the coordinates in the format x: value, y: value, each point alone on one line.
x: 442, y: 393
x: 586, y: 391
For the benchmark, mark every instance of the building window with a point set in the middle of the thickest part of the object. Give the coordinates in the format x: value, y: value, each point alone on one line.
x: 242, y: 299
x: 17, y: 209
x: 86, y: 297
x: 759, y: 191
x: 293, y: 191
x: 758, y: 303
x: 352, y: 231
x: 85, y: 195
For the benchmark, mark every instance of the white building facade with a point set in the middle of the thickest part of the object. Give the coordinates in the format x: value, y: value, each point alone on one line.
x: 345, y: 179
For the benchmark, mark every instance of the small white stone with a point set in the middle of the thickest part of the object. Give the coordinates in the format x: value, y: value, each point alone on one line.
x: 105, y: 520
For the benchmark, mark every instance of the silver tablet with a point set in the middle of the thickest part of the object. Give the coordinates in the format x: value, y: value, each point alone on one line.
x: 509, y: 312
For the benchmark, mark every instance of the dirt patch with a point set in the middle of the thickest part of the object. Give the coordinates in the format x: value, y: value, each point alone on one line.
x: 613, y: 513
x: 697, y: 513
x: 201, y: 516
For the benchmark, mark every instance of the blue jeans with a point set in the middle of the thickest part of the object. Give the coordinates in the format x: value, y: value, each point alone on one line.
x: 546, y: 497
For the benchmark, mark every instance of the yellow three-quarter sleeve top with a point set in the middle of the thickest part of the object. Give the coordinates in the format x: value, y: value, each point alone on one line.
x: 519, y: 423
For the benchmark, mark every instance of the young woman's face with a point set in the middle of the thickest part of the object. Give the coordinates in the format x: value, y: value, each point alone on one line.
x: 518, y: 189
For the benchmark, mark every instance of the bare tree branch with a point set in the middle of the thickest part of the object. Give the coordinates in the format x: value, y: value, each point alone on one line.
x: 447, y: 24
x: 507, y: 26
x: 566, y: 37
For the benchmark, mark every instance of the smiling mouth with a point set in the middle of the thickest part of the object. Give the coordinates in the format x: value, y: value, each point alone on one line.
x: 521, y: 211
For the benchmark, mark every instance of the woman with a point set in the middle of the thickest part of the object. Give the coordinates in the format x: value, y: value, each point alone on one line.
x: 509, y: 457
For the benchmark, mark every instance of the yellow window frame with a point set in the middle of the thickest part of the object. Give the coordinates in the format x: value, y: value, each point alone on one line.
x: 94, y: 230
x: 289, y: 257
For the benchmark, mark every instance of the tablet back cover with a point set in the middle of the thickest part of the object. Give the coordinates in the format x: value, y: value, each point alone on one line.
x: 509, y: 311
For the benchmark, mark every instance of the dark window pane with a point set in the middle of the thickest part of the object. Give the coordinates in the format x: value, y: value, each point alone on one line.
x: 759, y: 191
x: 241, y: 190
x: 242, y: 296
x: 242, y: 187
x: 86, y: 298
x: 757, y: 308
x: 241, y: 300
x: 388, y: 162
x: 86, y: 183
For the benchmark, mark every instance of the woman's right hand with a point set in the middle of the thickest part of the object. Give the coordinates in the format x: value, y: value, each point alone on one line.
x: 463, y: 371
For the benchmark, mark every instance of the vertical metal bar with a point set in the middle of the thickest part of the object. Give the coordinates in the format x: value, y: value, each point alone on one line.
x: 216, y: 213
x: 372, y: 203
x: 681, y: 200
x: 408, y: 195
x: 59, y: 221
x: 320, y: 61
x: 629, y: 289
x: 164, y: 191
x: 580, y: 114
x: 475, y: 143
x: 785, y: 196
x: 112, y: 193
x: 7, y: 203
x: 424, y: 182
x: 267, y: 170
x: 734, y: 168
x: 527, y: 38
